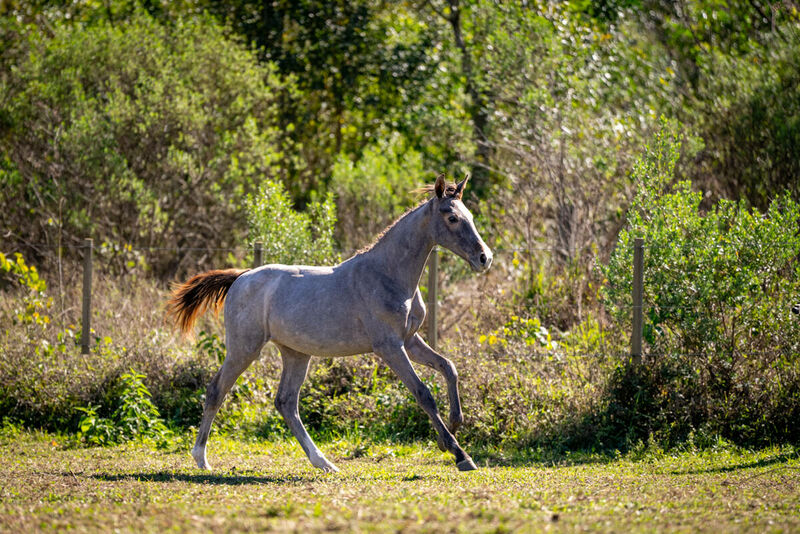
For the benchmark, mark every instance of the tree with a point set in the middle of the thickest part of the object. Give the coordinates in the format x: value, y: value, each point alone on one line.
x: 358, y: 65
x: 480, y: 103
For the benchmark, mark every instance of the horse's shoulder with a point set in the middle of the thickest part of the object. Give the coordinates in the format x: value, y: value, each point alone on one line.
x: 377, y: 288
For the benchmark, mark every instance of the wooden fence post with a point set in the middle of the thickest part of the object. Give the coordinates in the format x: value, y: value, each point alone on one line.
x: 86, y: 322
x: 638, y: 298
x: 433, y: 294
x: 258, y: 248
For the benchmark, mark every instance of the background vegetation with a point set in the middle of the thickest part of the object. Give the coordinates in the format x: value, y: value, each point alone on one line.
x: 178, y: 133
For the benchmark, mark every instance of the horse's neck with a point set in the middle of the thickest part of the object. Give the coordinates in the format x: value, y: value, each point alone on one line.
x: 404, y: 249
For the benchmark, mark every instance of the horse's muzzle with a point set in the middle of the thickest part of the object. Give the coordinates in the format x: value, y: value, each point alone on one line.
x: 481, y: 261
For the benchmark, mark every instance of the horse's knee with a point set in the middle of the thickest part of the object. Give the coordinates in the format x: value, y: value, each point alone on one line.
x: 285, y: 405
x: 449, y: 370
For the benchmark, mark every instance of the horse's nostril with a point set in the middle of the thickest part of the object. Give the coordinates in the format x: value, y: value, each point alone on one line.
x: 483, y: 259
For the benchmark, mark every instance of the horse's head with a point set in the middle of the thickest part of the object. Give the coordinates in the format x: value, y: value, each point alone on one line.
x: 453, y: 227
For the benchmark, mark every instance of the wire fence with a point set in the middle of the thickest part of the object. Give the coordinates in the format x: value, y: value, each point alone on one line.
x: 87, y: 250
x: 637, y: 304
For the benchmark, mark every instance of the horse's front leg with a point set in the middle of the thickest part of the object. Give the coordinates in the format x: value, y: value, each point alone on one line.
x: 393, y: 352
x: 420, y: 352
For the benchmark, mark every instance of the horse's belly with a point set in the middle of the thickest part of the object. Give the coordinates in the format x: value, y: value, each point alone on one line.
x: 316, y: 346
x: 320, y: 334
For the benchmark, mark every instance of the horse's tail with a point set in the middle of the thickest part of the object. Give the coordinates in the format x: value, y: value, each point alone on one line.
x: 192, y: 299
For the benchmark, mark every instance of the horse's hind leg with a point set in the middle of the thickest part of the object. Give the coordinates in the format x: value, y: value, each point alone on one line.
x: 238, y: 358
x: 295, y: 368
x: 420, y: 352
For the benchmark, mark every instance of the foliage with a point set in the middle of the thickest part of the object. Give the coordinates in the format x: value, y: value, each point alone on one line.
x: 135, y: 416
x: 289, y: 236
x: 34, y: 303
x: 693, y: 32
x: 590, y: 337
x: 718, y: 289
x: 529, y: 331
x: 374, y: 190
x: 136, y: 133
x: 732, y: 72
x: 751, y: 123
x: 571, y: 100
x: 211, y: 344
x: 95, y: 430
x: 360, y: 66
x: 721, y: 281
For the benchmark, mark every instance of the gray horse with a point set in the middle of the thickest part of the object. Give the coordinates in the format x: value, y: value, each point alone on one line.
x: 368, y: 303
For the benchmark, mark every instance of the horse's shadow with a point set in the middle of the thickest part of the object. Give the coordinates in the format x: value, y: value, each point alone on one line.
x: 764, y: 462
x: 223, y: 479
x: 540, y: 458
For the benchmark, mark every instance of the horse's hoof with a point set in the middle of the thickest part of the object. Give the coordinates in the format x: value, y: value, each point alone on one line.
x: 466, y: 465
x: 205, y: 466
x: 200, y: 459
x: 325, y: 466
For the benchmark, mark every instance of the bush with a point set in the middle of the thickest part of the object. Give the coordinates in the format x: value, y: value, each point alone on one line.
x: 134, y: 133
x: 719, y: 287
x: 375, y: 189
x: 290, y: 236
x: 134, y: 417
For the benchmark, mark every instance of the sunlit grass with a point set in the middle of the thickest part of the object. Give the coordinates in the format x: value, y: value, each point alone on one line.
x: 270, y: 486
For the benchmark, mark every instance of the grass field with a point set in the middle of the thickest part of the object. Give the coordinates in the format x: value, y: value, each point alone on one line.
x: 269, y: 486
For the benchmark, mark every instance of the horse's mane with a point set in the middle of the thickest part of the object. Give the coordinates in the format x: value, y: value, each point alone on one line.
x: 449, y: 191
x: 389, y: 227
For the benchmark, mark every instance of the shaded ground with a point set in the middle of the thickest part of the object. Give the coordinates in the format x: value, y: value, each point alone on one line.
x: 270, y: 487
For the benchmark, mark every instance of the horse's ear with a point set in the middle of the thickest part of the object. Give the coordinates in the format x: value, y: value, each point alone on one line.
x: 440, y: 186
x: 459, y: 192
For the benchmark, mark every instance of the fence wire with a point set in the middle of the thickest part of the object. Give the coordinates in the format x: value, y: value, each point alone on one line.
x: 502, y: 254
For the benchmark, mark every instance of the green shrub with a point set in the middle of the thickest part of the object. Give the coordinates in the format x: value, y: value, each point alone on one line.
x: 717, y: 282
x: 719, y: 286
x: 135, y: 416
x: 138, y: 132
x: 290, y: 236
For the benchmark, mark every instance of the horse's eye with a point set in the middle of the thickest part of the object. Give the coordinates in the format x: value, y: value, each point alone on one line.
x: 453, y: 219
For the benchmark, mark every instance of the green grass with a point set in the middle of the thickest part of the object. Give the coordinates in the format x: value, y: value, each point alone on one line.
x: 269, y: 486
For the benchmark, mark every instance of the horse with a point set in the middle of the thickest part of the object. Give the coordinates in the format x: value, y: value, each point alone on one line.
x: 370, y: 302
